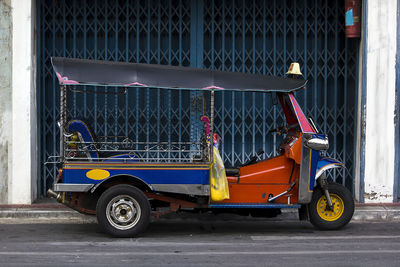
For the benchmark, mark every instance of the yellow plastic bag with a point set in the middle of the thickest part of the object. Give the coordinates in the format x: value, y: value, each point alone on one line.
x: 219, y: 189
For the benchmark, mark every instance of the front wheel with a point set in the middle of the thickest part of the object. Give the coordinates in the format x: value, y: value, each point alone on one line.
x: 343, y: 208
x: 123, y: 211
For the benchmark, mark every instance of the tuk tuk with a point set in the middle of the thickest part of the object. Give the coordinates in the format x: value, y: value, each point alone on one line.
x: 125, y: 182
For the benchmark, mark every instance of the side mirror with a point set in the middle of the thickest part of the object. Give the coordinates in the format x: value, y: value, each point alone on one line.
x: 318, y: 143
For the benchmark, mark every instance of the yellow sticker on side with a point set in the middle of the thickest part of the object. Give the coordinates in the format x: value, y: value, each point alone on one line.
x: 97, y: 174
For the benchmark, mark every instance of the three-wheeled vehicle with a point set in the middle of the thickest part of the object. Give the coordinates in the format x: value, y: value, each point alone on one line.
x: 125, y: 182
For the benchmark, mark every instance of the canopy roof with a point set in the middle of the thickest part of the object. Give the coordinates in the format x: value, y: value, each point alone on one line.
x: 106, y: 73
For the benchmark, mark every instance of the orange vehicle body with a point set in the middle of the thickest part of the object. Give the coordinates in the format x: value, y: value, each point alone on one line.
x: 269, y: 177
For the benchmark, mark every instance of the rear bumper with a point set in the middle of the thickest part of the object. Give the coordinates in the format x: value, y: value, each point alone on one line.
x: 72, y: 187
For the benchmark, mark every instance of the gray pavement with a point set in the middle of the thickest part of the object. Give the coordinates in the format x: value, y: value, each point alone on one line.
x: 51, y: 234
x: 58, y: 213
x: 209, y: 241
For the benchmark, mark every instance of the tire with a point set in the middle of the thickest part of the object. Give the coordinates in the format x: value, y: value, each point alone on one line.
x: 123, y: 211
x: 325, y: 219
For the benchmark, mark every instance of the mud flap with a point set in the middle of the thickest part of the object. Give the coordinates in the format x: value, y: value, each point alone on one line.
x: 309, y: 160
x: 303, y: 213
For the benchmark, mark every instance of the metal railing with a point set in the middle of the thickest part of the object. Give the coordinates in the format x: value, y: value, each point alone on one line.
x: 130, y: 151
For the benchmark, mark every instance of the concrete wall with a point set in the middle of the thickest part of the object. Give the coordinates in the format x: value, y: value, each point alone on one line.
x: 18, y: 124
x: 5, y: 95
x: 23, y: 167
x: 380, y: 100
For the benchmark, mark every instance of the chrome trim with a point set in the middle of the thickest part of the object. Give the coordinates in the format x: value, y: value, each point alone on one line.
x: 327, y: 167
x: 57, y: 196
x: 270, y: 199
x: 318, y: 143
x: 305, y: 194
x: 123, y: 212
x: 63, y: 119
x: 116, y: 176
x: 72, y: 187
x: 189, y: 189
x: 323, y: 183
x: 147, y: 165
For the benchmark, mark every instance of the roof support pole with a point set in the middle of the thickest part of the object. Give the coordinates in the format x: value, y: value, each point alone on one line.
x: 63, y: 118
x: 212, y: 126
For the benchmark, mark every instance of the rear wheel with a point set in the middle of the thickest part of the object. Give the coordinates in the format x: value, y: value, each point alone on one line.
x: 343, y: 208
x: 123, y: 211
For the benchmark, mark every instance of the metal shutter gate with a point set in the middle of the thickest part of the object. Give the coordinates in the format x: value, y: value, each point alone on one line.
x: 258, y: 36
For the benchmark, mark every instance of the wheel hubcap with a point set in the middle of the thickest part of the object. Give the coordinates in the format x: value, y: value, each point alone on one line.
x: 123, y: 212
x: 330, y: 215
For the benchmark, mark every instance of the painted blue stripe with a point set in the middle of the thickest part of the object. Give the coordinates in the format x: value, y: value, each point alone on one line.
x: 254, y: 206
x: 314, y: 162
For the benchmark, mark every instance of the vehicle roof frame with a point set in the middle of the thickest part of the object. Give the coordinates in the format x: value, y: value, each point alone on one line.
x: 125, y: 74
x: 75, y: 72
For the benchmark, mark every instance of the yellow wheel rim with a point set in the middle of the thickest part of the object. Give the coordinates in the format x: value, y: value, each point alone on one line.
x: 323, y: 209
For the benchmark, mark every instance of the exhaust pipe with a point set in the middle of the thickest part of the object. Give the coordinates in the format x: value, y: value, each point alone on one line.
x: 57, y: 196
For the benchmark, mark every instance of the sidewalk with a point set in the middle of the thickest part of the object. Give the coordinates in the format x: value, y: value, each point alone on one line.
x: 58, y: 213
x: 42, y: 213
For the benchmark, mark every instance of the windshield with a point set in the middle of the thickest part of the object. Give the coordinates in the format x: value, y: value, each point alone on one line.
x: 293, y: 112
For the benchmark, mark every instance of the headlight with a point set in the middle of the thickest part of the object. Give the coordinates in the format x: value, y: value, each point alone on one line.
x: 318, y: 143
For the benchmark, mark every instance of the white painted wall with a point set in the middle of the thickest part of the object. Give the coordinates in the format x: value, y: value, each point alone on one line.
x: 23, y: 153
x: 380, y: 101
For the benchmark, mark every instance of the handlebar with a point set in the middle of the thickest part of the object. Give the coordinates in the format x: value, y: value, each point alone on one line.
x: 283, y: 129
x: 279, y: 130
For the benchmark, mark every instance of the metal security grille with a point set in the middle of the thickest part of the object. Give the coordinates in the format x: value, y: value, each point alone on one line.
x: 261, y: 36
x: 265, y: 36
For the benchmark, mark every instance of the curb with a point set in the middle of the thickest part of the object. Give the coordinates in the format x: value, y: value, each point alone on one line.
x: 42, y: 213
x: 377, y: 213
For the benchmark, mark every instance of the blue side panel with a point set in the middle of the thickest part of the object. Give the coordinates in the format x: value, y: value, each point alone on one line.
x: 87, y: 135
x: 149, y: 176
x: 313, y: 169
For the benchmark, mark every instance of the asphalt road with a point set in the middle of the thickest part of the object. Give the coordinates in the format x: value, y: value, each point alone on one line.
x: 208, y: 242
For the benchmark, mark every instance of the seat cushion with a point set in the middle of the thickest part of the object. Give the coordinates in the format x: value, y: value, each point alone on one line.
x: 87, y: 136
